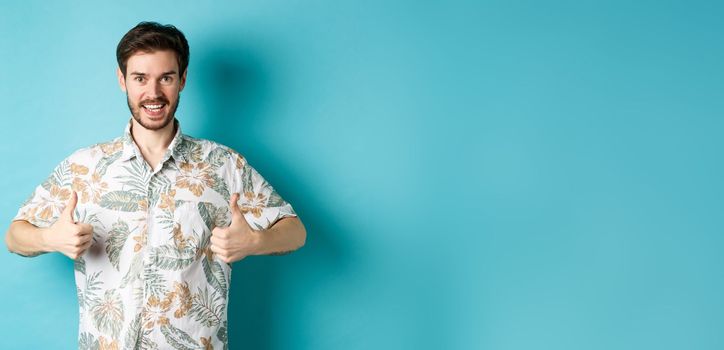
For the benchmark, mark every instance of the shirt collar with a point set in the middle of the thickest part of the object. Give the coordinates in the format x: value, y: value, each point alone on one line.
x: 175, y: 148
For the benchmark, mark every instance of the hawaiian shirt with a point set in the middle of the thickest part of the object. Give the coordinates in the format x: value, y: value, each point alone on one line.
x: 149, y: 279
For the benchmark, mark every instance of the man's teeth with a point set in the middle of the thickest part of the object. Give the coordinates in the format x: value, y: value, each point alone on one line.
x: 153, y: 106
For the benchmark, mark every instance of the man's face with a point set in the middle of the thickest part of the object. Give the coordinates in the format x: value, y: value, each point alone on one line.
x: 152, y: 85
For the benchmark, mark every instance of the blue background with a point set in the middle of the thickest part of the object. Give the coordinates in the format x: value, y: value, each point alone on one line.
x: 472, y: 175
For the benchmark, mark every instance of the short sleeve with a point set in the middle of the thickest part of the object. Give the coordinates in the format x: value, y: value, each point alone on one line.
x: 260, y: 203
x: 43, y: 207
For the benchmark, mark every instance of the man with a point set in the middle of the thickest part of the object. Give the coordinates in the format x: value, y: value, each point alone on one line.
x: 154, y: 218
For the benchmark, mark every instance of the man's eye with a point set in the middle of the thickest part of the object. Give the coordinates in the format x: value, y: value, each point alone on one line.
x: 138, y: 79
x: 166, y: 79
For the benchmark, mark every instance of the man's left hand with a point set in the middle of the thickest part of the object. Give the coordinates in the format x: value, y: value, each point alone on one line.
x: 236, y: 241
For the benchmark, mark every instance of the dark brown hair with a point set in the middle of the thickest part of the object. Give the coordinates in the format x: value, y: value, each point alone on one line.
x: 151, y: 37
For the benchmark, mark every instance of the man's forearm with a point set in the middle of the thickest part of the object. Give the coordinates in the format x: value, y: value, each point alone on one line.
x: 25, y: 239
x: 285, y: 236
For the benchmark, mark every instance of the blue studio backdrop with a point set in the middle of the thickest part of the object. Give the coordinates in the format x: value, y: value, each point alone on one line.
x: 472, y: 174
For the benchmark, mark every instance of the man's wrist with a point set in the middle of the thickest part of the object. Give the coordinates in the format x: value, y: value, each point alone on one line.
x: 45, y: 246
x: 257, y: 242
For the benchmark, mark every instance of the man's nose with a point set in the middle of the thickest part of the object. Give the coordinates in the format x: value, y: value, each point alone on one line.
x: 154, y: 89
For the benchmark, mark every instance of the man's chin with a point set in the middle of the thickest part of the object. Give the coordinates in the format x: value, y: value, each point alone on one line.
x: 153, y: 123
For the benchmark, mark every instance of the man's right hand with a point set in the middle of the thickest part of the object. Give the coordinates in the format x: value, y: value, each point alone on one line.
x: 67, y: 236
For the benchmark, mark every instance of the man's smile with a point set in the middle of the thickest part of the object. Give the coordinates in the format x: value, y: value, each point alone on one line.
x: 154, y: 109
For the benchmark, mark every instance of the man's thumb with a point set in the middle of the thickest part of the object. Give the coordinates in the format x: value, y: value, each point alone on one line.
x: 234, y: 205
x: 70, y: 207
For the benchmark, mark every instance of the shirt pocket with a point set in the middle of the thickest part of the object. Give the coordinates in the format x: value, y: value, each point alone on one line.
x: 194, y: 220
x: 116, y: 234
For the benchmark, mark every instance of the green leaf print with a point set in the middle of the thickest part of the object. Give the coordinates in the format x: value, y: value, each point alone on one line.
x: 207, y: 210
x: 212, y: 215
x: 92, y: 219
x: 165, y: 217
x: 121, y: 200
x: 79, y: 293
x: 79, y: 265
x: 222, y: 335
x: 168, y: 257
x: 246, y: 183
x: 138, y: 337
x: 155, y: 283
x: 275, y: 200
x: 87, y: 341
x: 133, y: 271
x: 215, y: 275
x: 103, y: 164
x: 136, y: 176
x: 206, y: 308
x: 93, y: 285
x: 133, y: 332
x: 178, y: 339
x: 60, y: 177
x: 117, y: 237
x: 159, y: 184
x: 191, y: 149
x: 217, y: 157
x: 220, y: 185
x: 108, y: 313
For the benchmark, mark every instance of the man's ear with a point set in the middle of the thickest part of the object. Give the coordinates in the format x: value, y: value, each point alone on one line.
x: 121, y: 79
x: 183, y: 80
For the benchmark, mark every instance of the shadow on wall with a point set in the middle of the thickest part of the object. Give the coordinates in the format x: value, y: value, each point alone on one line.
x: 236, y: 86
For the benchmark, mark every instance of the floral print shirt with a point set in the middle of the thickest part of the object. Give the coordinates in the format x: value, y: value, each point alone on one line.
x: 149, y: 279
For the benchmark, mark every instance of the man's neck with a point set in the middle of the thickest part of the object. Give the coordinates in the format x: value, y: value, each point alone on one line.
x: 152, y: 142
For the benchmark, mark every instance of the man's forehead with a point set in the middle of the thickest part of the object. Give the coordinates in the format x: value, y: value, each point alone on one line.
x: 158, y: 62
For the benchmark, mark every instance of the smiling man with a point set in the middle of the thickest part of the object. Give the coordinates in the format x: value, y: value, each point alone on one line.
x: 154, y: 218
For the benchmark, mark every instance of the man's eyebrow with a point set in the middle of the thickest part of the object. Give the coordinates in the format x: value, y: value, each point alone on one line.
x: 164, y: 73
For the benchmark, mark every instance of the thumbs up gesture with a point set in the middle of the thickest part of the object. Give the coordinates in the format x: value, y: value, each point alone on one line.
x: 67, y: 236
x: 236, y: 241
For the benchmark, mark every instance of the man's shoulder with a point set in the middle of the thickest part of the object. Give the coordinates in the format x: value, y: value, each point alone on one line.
x: 97, y: 151
x: 205, y: 144
x: 206, y: 149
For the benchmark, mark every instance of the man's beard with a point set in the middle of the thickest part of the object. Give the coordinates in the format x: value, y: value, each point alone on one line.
x: 136, y: 112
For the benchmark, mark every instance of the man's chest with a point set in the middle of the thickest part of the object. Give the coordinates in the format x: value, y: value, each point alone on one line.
x: 174, y: 206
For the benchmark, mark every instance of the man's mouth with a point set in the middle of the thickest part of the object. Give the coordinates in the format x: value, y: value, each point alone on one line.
x: 153, y: 109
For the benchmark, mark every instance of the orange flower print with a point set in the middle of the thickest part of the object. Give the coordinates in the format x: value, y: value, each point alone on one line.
x: 111, y: 147
x: 79, y: 186
x: 206, y: 342
x: 178, y: 237
x: 140, y: 240
x: 58, y: 198
x: 103, y: 344
x: 90, y: 190
x: 195, y: 178
x: 156, y: 309
x: 78, y: 169
x: 185, y: 299
x: 207, y: 252
x: 239, y: 159
x: 142, y: 205
x: 253, y: 203
x: 167, y: 201
x: 29, y: 214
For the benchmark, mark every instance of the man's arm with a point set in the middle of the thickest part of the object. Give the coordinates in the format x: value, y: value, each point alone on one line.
x: 285, y: 236
x: 239, y: 240
x: 64, y: 235
x: 26, y: 239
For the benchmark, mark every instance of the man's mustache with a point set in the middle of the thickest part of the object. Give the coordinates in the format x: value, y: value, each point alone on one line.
x: 156, y: 101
